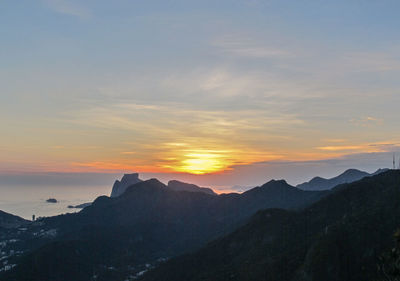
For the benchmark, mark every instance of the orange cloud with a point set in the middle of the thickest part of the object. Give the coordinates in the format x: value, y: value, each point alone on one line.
x: 365, y: 147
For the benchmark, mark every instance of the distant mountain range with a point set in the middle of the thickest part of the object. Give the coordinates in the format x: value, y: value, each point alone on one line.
x: 348, y: 176
x: 316, y: 184
x: 338, y: 238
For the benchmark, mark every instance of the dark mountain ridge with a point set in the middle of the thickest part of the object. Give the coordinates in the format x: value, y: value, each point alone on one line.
x: 338, y: 238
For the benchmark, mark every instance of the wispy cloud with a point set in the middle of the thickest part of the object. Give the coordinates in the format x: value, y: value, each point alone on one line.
x: 372, y: 61
x: 68, y: 7
x: 368, y: 121
x: 343, y: 147
x: 363, y: 148
x: 240, y: 46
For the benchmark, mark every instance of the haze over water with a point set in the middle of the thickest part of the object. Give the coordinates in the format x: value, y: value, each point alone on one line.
x: 28, y: 200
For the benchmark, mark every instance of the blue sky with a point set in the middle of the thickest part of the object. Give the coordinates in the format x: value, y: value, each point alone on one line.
x: 195, y: 86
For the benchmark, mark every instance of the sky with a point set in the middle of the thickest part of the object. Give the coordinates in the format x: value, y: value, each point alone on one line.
x: 217, y: 92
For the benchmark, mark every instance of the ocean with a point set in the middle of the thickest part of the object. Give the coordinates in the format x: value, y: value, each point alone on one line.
x: 28, y: 200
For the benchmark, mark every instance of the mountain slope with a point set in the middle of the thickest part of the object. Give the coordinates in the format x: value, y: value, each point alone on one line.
x: 182, y: 186
x: 348, y: 176
x: 338, y: 238
x: 9, y: 221
x: 146, y: 223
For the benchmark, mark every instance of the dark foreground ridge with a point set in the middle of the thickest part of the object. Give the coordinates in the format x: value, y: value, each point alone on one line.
x: 339, y: 238
x: 119, y: 238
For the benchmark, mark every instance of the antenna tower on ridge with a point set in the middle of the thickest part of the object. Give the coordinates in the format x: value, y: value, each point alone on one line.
x: 394, y: 161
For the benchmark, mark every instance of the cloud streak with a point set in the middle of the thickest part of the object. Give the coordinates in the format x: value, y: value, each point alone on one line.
x: 239, y: 46
x: 68, y: 7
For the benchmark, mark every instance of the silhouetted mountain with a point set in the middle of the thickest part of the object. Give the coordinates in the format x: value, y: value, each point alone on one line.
x: 127, y: 180
x: 348, y: 176
x: 182, y: 186
x: 338, y: 238
x: 277, y: 194
x: 9, y: 221
x: 147, y: 222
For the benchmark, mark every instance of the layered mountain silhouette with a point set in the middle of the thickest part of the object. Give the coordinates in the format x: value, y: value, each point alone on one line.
x: 127, y: 180
x: 350, y: 175
x: 271, y: 232
x: 338, y: 238
x: 149, y: 221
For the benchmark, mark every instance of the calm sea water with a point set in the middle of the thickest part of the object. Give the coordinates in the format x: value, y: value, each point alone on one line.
x: 26, y: 201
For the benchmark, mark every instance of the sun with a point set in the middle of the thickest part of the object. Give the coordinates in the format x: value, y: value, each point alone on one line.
x: 202, y: 163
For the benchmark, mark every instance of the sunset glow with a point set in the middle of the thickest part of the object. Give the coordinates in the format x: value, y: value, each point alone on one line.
x: 202, y: 163
x: 223, y: 95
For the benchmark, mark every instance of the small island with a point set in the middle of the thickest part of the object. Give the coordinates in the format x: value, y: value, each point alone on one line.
x: 51, y: 200
x: 81, y: 206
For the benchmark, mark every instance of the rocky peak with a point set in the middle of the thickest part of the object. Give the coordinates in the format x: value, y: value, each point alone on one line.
x: 127, y: 180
